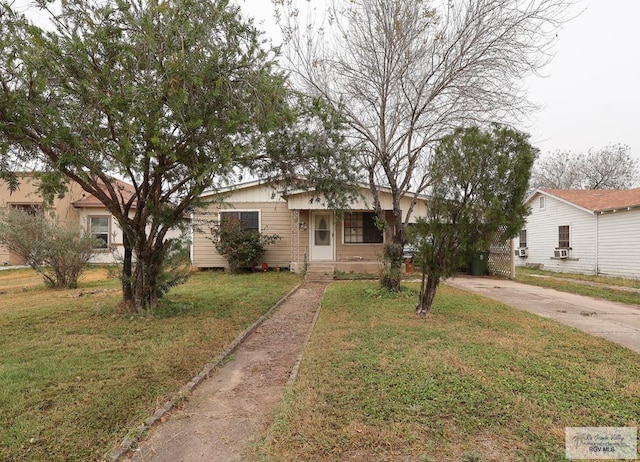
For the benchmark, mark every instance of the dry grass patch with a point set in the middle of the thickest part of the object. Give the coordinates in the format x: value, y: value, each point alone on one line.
x: 477, y: 381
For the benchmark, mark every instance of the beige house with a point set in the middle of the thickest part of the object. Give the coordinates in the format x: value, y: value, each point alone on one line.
x: 311, y: 235
x: 76, y: 209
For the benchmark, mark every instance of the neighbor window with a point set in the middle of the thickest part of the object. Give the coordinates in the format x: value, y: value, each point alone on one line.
x: 360, y: 228
x: 523, y: 238
x: 99, y: 230
x: 563, y: 237
x: 541, y: 202
x: 31, y: 209
x: 247, y: 220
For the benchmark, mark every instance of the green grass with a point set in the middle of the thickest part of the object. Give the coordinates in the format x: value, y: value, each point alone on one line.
x: 592, y: 286
x: 477, y: 380
x: 76, y: 373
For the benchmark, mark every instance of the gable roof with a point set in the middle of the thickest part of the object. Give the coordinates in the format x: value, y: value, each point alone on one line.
x: 91, y: 201
x: 596, y: 200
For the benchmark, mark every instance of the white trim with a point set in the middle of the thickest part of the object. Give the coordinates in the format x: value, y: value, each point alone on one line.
x: 547, y: 194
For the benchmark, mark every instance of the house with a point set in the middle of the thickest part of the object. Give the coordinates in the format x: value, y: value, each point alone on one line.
x: 311, y: 235
x: 582, y: 231
x: 76, y: 209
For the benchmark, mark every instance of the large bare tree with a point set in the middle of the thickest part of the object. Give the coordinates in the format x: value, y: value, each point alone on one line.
x: 407, y: 72
x: 611, y: 167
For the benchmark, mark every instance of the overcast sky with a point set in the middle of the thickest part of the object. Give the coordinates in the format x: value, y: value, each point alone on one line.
x: 590, y: 96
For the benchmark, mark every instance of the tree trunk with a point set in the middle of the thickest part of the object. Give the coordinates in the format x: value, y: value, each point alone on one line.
x: 393, y: 253
x: 144, y: 282
x: 428, y: 290
x: 127, y: 271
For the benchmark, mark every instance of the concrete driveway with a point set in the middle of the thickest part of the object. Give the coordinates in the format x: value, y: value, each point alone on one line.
x: 616, y: 322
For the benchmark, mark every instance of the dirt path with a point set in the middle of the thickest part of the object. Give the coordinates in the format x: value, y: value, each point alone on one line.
x: 225, y: 412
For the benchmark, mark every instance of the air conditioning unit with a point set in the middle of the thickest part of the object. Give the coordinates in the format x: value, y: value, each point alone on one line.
x: 561, y: 253
x: 521, y: 252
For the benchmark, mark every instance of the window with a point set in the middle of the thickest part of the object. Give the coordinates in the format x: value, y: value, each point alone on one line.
x: 31, y: 209
x: 523, y: 238
x: 247, y: 220
x: 563, y: 237
x: 541, y: 202
x: 99, y: 230
x: 360, y: 228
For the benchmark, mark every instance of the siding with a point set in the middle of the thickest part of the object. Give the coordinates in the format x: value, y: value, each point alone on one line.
x: 542, y: 237
x: 275, y: 218
x: 619, y: 243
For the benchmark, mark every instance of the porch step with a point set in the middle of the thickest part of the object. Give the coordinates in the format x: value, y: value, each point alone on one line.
x: 320, y: 273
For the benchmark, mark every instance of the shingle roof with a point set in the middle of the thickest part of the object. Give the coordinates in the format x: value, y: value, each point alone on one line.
x: 90, y: 200
x: 598, y: 200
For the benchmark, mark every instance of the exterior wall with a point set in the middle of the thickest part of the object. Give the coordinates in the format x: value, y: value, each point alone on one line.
x: 62, y: 210
x: 274, y: 218
x: 619, y: 243
x: 115, y: 235
x: 542, y: 237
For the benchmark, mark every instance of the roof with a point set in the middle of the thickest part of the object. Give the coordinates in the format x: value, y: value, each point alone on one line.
x: 597, y: 200
x: 91, y: 201
x: 293, y: 191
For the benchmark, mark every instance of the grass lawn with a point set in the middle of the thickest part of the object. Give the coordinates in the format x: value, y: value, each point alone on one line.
x: 477, y: 381
x: 76, y: 373
x: 591, y: 286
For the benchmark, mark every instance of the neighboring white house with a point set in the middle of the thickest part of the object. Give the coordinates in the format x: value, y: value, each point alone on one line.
x: 582, y: 231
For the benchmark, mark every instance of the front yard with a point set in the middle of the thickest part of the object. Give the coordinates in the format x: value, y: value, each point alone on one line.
x: 477, y: 381
x: 76, y: 373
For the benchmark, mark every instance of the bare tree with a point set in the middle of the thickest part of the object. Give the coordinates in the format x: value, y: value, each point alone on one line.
x: 611, y: 167
x: 407, y: 72
x: 559, y: 170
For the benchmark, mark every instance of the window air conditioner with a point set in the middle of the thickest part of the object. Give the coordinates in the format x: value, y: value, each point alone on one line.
x: 561, y: 253
x: 521, y: 252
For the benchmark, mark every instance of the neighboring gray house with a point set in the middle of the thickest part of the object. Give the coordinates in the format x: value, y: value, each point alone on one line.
x: 582, y: 231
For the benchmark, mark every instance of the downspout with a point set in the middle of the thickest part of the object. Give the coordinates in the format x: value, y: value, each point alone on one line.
x: 597, y: 241
x: 191, y: 234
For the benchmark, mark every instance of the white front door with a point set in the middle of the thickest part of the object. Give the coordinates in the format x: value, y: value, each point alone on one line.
x: 322, y: 236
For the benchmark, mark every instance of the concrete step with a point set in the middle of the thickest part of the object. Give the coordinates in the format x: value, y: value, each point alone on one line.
x: 320, y: 273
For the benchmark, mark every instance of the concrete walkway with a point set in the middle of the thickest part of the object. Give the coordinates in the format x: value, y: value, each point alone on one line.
x: 225, y: 412
x: 613, y: 321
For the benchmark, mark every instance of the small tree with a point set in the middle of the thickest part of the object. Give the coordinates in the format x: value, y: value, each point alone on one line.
x: 59, y: 254
x: 479, y: 184
x: 241, y: 247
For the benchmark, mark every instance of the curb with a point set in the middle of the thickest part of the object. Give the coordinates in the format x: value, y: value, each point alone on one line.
x: 126, y: 445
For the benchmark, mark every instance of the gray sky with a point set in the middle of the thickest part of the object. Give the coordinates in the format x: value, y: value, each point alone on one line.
x: 590, y: 95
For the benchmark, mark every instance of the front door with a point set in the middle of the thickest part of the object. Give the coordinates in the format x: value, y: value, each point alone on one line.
x: 322, y: 236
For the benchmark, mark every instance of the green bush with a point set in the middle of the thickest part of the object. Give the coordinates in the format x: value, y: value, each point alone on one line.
x: 243, y: 248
